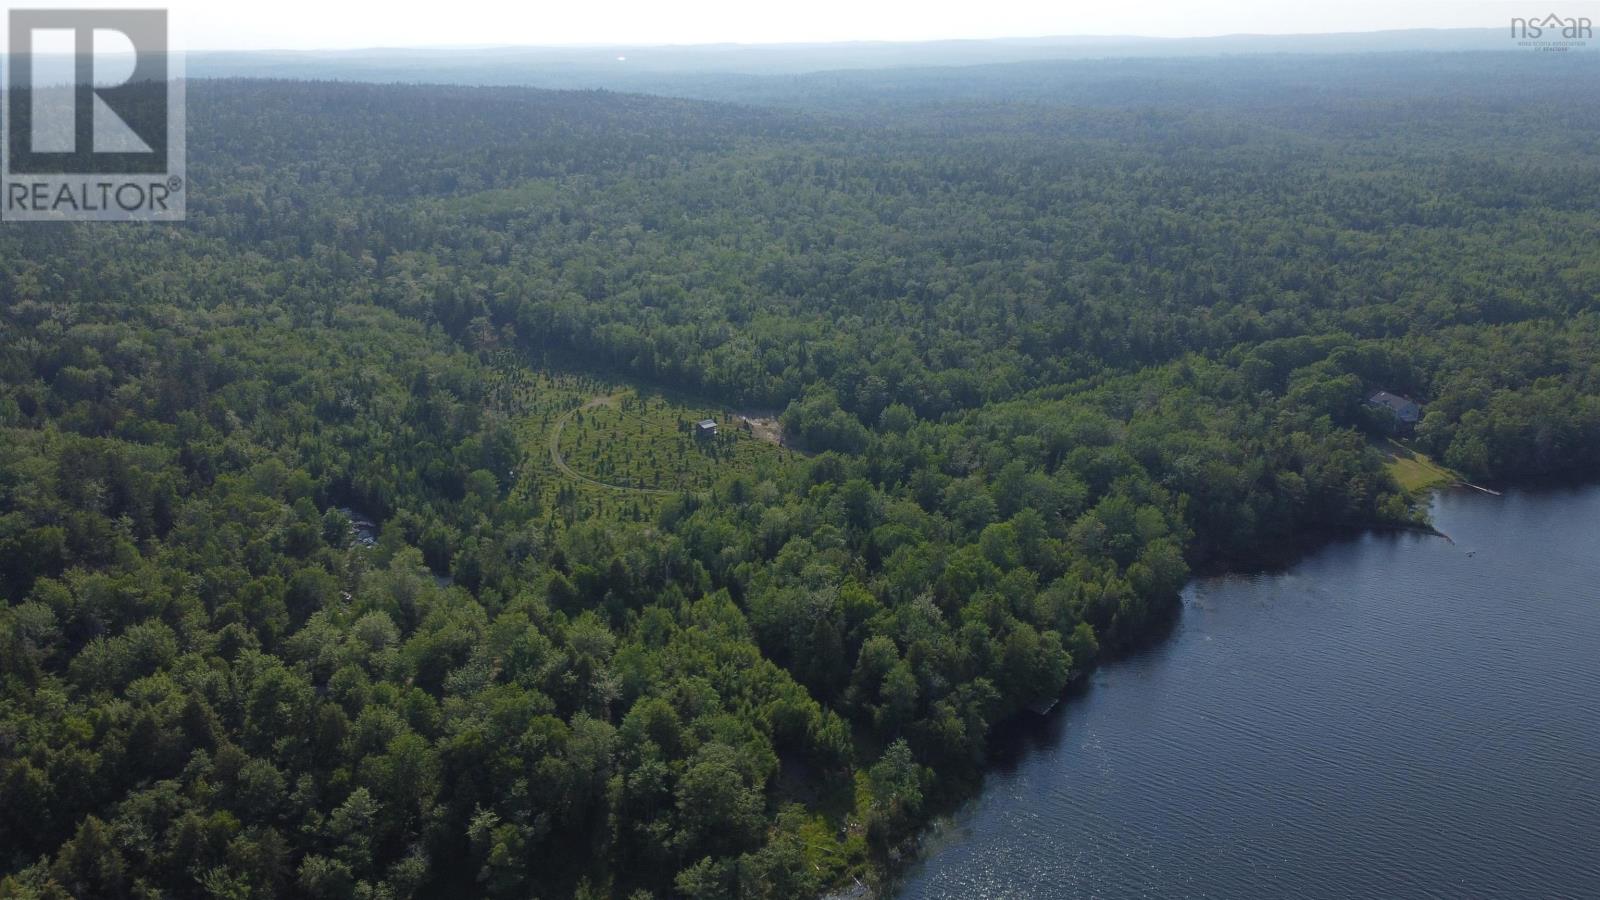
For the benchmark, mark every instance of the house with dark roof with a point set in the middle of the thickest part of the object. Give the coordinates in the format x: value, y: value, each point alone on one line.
x: 1406, y: 411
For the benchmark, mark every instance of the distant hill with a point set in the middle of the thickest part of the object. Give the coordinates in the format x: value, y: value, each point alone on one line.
x: 650, y: 68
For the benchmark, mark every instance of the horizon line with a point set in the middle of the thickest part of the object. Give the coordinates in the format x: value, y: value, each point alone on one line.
x: 843, y: 42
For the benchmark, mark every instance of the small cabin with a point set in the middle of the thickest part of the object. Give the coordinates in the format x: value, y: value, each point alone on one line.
x: 1406, y: 412
x: 705, y: 428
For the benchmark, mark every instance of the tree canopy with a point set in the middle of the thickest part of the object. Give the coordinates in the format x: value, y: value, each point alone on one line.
x: 1043, y: 354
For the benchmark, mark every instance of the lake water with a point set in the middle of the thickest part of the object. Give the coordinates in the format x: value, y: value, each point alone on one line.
x: 1393, y: 716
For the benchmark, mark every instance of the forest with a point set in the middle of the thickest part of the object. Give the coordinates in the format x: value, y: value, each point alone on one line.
x: 1042, y: 340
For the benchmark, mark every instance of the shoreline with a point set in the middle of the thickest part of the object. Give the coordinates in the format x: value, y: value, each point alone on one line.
x: 1347, y: 595
x: 883, y: 884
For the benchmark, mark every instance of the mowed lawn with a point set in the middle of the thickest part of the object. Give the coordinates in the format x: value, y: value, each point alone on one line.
x: 1413, y: 470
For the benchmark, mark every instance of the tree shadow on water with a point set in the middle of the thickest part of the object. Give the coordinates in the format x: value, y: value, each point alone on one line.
x: 1014, y: 741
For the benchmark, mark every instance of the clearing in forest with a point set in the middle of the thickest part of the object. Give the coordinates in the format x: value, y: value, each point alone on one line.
x: 1413, y: 469
x: 648, y: 443
x: 594, y: 447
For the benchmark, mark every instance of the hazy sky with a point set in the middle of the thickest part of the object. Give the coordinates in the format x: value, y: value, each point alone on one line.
x: 323, y: 24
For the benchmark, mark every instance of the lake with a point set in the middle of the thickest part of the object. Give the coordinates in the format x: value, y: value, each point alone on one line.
x: 1393, y: 716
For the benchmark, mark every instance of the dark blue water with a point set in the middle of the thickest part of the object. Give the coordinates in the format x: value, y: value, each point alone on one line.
x: 1394, y: 716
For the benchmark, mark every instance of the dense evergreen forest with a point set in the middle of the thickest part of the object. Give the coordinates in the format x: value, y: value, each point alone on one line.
x: 1044, y: 348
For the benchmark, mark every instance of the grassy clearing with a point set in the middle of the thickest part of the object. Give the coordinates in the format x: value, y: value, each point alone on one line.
x: 595, y: 447
x: 1412, y: 469
x: 646, y: 442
